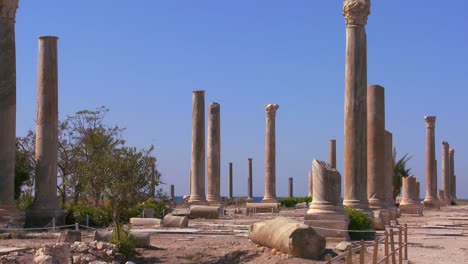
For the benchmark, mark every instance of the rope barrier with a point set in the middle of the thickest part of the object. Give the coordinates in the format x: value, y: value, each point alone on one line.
x: 35, y: 228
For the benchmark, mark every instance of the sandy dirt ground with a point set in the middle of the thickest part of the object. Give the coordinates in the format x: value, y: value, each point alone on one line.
x: 437, y: 237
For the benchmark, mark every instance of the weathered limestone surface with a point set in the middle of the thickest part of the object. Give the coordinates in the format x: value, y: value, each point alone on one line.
x: 175, y: 221
x: 311, y: 184
x: 410, y: 203
x: 389, y: 176
x: 452, y: 173
x: 203, y: 211
x: 332, y: 153
x: 446, y: 177
x: 214, y: 154
x: 431, y: 200
x: 291, y: 187
x: 69, y: 236
x: 355, y: 127
x: 249, y: 183
x: 8, y: 210
x: 289, y: 237
x: 263, y: 207
x: 197, y: 168
x: 326, y: 209
x: 46, y: 205
x: 270, y: 154
x: 136, y: 221
x: 230, y: 186
x: 442, y: 199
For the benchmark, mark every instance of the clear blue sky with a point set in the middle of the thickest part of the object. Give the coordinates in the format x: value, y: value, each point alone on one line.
x: 142, y: 59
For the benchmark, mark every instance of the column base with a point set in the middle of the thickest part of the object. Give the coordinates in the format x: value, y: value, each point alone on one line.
x: 11, y: 215
x: 197, y: 200
x: 213, y: 199
x: 431, y: 203
x: 332, y: 220
x: 411, y: 209
x: 357, y: 204
x: 38, y: 216
x: 269, y: 200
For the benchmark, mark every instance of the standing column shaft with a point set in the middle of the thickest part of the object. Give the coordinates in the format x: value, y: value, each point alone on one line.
x: 153, y: 177
x: 332, y: 153
x: 172, y: 192
x: 376, y: 183
x: 291, y: 186
x: 311, y: 184
x: 452, y: 173
x: 197, y: 180
x: 270, y: 154
x: 389, y: 169
x: 214, y: 154
x: 446, y: 171
x: 230, y: 195
x: 431, y: 200
x: 249, y: 180
x: 7, y: 101
x: 355, y: 132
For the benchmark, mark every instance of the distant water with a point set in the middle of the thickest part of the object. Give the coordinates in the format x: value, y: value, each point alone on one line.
x: 256, y: 199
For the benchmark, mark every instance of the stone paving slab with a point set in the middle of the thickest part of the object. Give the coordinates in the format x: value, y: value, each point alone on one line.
x: 7, y: 250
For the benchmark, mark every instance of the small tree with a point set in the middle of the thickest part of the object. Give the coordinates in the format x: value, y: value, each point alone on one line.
x: 399, y: 172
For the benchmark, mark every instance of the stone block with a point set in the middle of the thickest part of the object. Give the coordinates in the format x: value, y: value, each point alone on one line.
x: 69, y: 236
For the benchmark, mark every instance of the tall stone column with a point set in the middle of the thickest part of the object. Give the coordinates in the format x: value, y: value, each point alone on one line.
x: 290, y: 187
x: 355, y: 127
x: 431, y: 200
x: 153, y: 177
x: 446, y: 171
x: 389, y: 176
x: 332, y: 153
x: 311, y: 183
x: 172, y: 193
x: 270, y: 154
x: 249, y: 182
x: 46, y: 205
x: 197, y: 171
x: 230, y: 195
x: 214, y: 154
x: 452, y: 173
x: 376, y: 183
x: 8, y: 210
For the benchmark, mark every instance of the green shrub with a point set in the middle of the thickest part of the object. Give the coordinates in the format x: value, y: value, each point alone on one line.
x: 25, y: 201
x: 127, y: 242
x: 291, y: 202
x: 136, y: 210
x: 359, y: 220
x: 97, y: 216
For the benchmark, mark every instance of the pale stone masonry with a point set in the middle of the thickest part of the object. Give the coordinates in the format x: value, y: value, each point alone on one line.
x: 452, y: 174
x: 197, y: 167
x: 446, y: 171
x: 46, y: 205
x: 389, y: 176
x: 214, y: 154
x: 410, y: 203
x: 249, y: 182
x: 290, y: 187
x: 8, y: 210
x: 270, y: 154
x: 230, y: 183
x: 332, y: 153
x: 311, y: 183
x: 355, y: 125
x: 431, y: 200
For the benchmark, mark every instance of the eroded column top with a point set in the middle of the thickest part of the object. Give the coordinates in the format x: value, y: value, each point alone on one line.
x: 356, y: 12
x: 445, y: 145
x: 271, y: 109
x: 430, y: 121
x: 213, y: 109
x: 451, y: 151
x: 8, y: 9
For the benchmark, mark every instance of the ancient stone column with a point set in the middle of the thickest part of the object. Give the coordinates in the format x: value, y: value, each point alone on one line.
x: 249, y: 183
x: 230, y: 181
x: 270, y: 154
x: 311, y: 184
x: 197, y: 179
x: 376, y: 184
x: 389, y: 176
x: 290, y: 187
x: 446, y: 171
x: 355, y: 127
x: 410, y: 203
x: 452, y: 173
x: 8, y: 208
x: 172, y: 192
x: 441, y: 196
x: 454, y: 187
x: 46, y: 205
x: 431, y: 200
x: 153, y: 177
x: 332, y: 153
x: 214, y: 154
x: 418, y: 192
x: 326, y: 209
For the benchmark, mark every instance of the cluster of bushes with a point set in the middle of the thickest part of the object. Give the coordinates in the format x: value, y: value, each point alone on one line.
x: 101, y: 216
x: 359, y: 220
x: 292, y: 201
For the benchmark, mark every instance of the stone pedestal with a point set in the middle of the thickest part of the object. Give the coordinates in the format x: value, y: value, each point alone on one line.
x: 249, y: 183
x: 332, y: 153
x: 446, y: 185
x: 355, y: 127
x: 214, y: 154
x: 326, y: 209
x: 46, y: 205
x: 431, y: 200
x: 270, y: 154
x: 290, y: 187
x: 197, y: 168
x: 311, y: 184
x: 410, y: 203
x: 8, y: 210
x: 230, y: 186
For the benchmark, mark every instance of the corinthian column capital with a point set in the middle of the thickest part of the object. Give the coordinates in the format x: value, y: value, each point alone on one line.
x: 8, y: 9
x: 430, y: 121
x: 271, y: 109
x: 356, y: 12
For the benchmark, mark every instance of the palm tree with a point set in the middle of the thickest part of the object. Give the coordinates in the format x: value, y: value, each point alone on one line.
x: 399, y: 171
